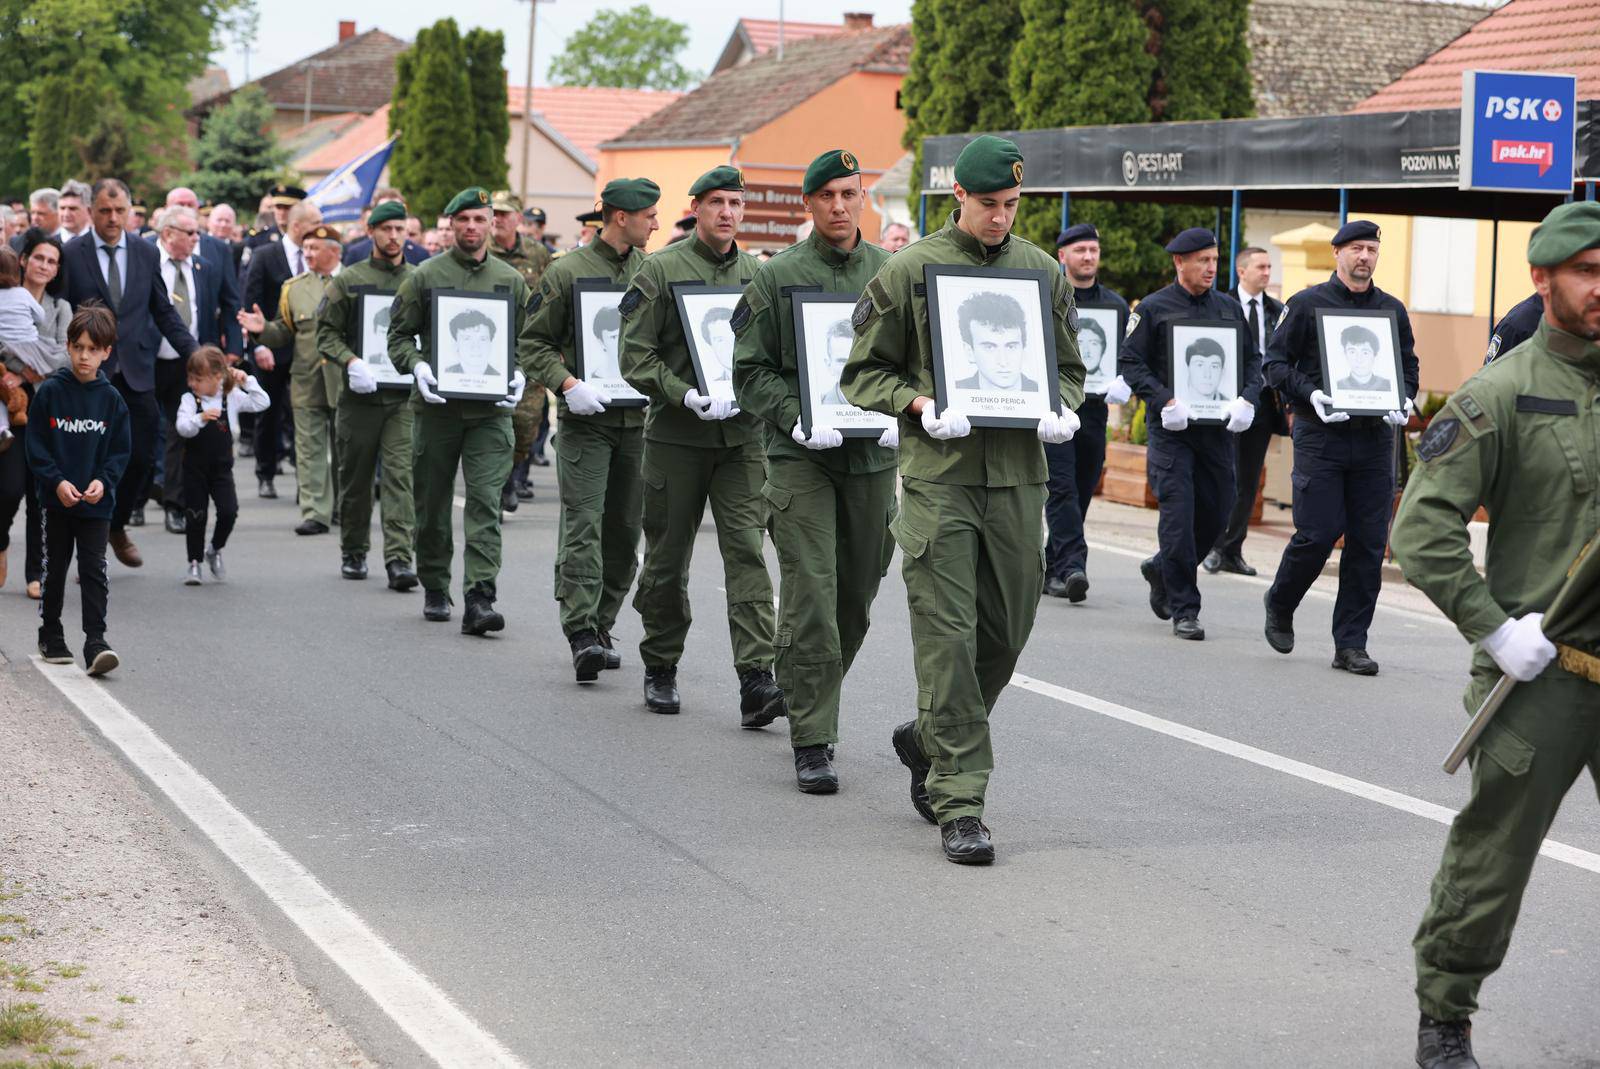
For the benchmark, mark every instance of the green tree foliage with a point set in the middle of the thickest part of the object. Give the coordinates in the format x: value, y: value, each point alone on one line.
x: 436, y: 122
x: 631, y: 49
x: 485, y: 50
x: 237, y: 160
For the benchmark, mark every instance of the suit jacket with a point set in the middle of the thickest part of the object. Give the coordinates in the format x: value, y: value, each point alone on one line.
x: 144, y: 315
x: 361, y: 249
x: 1272, y: 407
x: 263, y: 286
x: 216, y: 304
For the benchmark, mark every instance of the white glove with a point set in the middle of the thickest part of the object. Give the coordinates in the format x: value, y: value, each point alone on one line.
x: 1175, y: 417
x: 1241, y: 414
x: 950, y: 425
x: 1118, y: 392
x: 699, y: 404
x: 723, y: 408
x: 1520, y: 648
x: 361, y: 377
x: 890, y: 438
x: 586, y: 400
x: 1321, y: 403
x: 821, y: 437
x: 426, y: 382
x: 1054, y: 429
x: 519, y: 382
x: 1400, y: 416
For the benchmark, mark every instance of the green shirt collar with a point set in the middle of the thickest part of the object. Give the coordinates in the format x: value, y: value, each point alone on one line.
x: 707, y: 253
x: 1570, y: 347
x: 971, y: 245
x: 605, y: 251
x: 384, y: 265
x: 831, y: 254
x: 466, y: 261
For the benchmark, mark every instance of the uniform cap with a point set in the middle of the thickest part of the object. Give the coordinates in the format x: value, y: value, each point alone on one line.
x: 285, y: 196
x: 590, y: 218
x: 471, y: 197
x: 533, y: 215
x: 687, y: 222
x: 834, y: 163
x: 386, y: 212
x: 503, y: 200
x: 1192, y: 240
x: 989, y: 164
x: 1356, y: 230
x: 323, y: 232
x: 1568, y: 230
x: 629, y: 194
x: 724, y: 177
x: 1076, y: 233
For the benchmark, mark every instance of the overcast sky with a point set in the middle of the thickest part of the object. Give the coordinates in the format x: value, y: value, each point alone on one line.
x: 293, y: 29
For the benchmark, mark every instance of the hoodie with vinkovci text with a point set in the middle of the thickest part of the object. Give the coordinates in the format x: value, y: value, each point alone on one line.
x: 78, y: 431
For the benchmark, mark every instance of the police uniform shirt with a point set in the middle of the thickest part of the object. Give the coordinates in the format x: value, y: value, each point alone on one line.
x: 1516, y: 327
x: 1294, y: 360
x: 1142, y: 359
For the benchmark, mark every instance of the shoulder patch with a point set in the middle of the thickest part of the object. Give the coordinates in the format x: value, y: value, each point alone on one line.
x: 535, y: 301
x: 864, y: 313
x: 1494, y: 350
x: 878, y: 293
x: 1441, y: 434
x: 630, y: 301
x: 1072, y: 317
x: 741, y: 316
x: 1133, y: 323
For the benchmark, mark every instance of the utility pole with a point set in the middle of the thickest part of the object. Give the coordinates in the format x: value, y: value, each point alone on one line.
x: 780, y: 30
x: 527, y: 98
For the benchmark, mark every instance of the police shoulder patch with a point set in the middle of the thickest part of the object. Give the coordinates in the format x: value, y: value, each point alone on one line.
x: 1494, y: 350
x: 1133, y: 322
x: 1072, y: 317
x: 1438, y: 438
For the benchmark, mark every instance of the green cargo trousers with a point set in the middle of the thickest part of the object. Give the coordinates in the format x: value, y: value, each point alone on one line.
x: 598, y: 471
x: 831, y: 530
x: 313, y: 446
x: 441, y: 442
x: 678, y: 481
x: 525, y: 420
x: 973, y: 563
x: 367, y: 433
x: 1539, y: 742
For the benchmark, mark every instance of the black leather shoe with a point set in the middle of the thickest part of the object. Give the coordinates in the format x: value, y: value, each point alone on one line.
x: 661, y: 689
x: 588, y: 656
x: 1213, y: 563
x: 311, y: 527
x: 354, y: 566
x: 966, y: 841
x: 1231, y: 562
x: 1055, y: 587
x: 1355, y: 661
x: 519, y: 476
x: 177, y: 522
x: 1077, y: 587
x: 265, y: 489
x: 508, y: 497
x: 1445, y: 1044
x: 1188, y: 627
x: 435, y: 605
x: 401, y: 577
x: 1279, y: 628
x: 1158, y: 588
x: 813, y: 770
x: 910, y: 754
x: 480, y: 617
x: 761, y: 701
x: 613, y: 658
x: 136, y: 517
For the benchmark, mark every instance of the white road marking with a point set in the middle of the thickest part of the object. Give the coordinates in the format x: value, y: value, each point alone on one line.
x: 424, y: 1012
x: 1571, y: 855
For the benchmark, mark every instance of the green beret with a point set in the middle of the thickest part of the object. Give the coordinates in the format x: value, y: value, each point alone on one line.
x: 989, y: 164
x: 632, y: 194
x: 1568, y: 230
x: 724, y: 177
x: 387, y: 212
x: 471, y: 197
x: 834, y: 163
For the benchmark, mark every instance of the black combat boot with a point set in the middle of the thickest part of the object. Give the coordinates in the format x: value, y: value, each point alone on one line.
x: 613, y: 658
x: 519, y: 476
x: 661, y: 689
x: 1445, y: 1044
x: 354, y: 566
x: 910, y: 754
x: 813, y: 769
x: 401, y: 577
x: 1077, y: 587
x: 588, y: 656
x: 1279, y: 627
x: 435, y: 605
x: 508, y: 496
x: 966, y: 841
x: 1158, y: 588
x: 761, y: 701
x: 480, y: 617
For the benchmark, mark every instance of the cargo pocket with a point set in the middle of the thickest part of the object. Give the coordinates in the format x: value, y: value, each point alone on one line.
x: 1506, y: 748
x: 655, y: 502
x: 778, y: 499
x: 1582, y: 477
x: 921, y: 587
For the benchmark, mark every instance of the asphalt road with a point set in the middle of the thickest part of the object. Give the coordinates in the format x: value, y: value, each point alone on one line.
x: 596, y: 885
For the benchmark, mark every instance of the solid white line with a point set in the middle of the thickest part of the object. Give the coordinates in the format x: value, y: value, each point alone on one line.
x: 1571, y: 855
x: 412, y: 1001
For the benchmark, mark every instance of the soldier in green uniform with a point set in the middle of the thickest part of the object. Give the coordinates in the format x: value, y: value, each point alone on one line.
x: 474, y: 436
x: 372, y: 423
x: 1519, y: 439
x: 832, y: 498
x: 600, y: 447
x: 698, y: 448
x: 972, y: 499
x: 314, y: 384
x: 531, y: 258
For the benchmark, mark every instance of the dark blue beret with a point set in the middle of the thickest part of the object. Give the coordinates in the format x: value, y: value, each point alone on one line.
x: 1356, y: 230
x: 1076, y: 233
x: 1192, y: 240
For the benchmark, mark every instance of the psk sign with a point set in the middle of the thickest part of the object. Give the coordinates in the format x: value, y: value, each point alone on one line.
x: 1517, y: 131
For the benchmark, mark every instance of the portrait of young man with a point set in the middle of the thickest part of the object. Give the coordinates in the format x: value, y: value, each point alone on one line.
x: 473, y: 334
x: 607, y: 328
x: 994, y: 335
x: 837, y: 350
x: 1360, y: 348
x: 716, y: 330
x: 1206, y: 361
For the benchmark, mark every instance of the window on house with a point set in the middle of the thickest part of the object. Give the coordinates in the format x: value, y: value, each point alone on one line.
x: 1444, y: 263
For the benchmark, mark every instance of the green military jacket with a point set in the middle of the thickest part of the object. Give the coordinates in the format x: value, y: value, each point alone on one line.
x: 409, y: 320
x: 655, y: 355
x: 891, y: 362
x: 296, y: 324
x: 336, y: 320
x: 531, y: 258
x: 551, y: 334
x: 766, y: 371
x: 1522, y: 439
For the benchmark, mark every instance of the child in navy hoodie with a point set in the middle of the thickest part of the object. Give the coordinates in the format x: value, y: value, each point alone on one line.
x: 78, y: 448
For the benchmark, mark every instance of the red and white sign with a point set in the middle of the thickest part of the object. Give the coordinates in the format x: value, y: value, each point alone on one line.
x: 1539, y: 153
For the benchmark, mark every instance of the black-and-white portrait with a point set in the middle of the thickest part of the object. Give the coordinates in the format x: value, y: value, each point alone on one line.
x: 1098, y: 338
x: 706, y: 314
x: 822, y: 339
x: 372, y: 337
x: 597, y: 330
x: 1206, y: 368
x: 473, y: 344
x: 1360, y: 360
x: 994, y: 352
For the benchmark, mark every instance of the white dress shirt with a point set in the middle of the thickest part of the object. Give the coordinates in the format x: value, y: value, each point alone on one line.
x: 297, y: 259
x: 186, y: 312
x: 121, y: 246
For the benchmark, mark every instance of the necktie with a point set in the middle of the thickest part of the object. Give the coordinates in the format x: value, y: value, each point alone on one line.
x: 113, y: 277
x: 1255, y: 319
x: 180, y: 296
x: 299, y: 263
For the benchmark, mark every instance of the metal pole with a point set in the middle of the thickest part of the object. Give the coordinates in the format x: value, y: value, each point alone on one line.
x: 1494, y: 260
x: 922, y: 215
x: 1588, y: 191
x: 527, y: 98
x: 1344, y: 206
x: 1066, y: 209
x: 311, y: 70
x: 780, y: 30
x: 1233, y: 251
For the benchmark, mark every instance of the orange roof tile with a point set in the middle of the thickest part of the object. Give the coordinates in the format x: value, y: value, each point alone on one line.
x: 369, y: 133
x: 763, y: 33
x: 586, y: 115
x: 1554, y: 36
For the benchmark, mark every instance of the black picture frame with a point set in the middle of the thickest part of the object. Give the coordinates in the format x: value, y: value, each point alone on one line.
x: 1384, y: 324
x: 855, y: 426
x: 448, y: 304
x: 1031, y: 288
x: 584, y: 339
x: 1095, y: 312
x: 361, y: 342
x: 699, y: 296
x: 1178, y: 331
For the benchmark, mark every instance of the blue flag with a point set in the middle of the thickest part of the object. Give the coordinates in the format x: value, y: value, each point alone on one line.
x: 348, y: 189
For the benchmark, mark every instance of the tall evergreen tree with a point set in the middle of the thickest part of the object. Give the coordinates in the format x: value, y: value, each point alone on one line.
x: 486, y: 51
x: 236, y: 160
x: 436, y: 122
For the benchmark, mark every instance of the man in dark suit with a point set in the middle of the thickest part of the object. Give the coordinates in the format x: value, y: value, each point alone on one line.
x: 1253, y: 267
x: 109, y: 265
x: 219, y: 253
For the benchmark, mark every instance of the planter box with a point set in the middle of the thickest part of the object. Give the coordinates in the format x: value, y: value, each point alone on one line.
x: 1125, y: 481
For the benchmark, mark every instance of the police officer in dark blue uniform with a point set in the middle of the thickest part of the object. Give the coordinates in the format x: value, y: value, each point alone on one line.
x: 1190, y: 468
x: 1515, y: 327
x: 1343, y: 465
x: 1075, y: 466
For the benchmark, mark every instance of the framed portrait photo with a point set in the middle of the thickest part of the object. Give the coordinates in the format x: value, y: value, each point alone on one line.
x: 370, y: 337
x: 1206, y: 366
x: 1099, y: 338
x: 472, y: 344
x: 994, y: 352
x: 706, y: 313
x: 597, y: 328
x: 1361, y: 360
x: 822, y: 339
